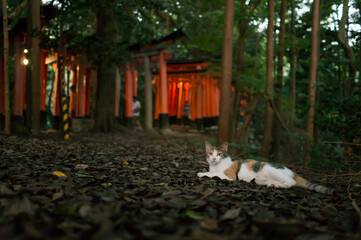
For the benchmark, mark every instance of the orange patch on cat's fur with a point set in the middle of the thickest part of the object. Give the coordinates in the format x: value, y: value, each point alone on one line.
x: 231, y: 172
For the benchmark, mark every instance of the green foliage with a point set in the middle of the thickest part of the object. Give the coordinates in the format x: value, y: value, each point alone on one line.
x: 140, y: 22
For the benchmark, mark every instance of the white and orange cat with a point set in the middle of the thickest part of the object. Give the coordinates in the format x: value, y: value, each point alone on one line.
x: 270, y: 174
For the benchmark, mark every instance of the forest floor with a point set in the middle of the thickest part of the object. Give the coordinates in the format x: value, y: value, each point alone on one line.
x: 142, y: 186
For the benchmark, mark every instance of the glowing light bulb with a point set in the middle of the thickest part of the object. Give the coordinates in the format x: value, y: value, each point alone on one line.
x: 25, y: 61
x: 26, y: 50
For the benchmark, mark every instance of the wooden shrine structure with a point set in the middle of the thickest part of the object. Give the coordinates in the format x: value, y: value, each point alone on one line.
x: 183, y: 88
x: 193, y: 93
x: 185, y: 91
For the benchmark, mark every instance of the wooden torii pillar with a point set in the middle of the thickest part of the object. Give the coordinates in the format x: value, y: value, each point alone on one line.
x: 19, y: 86
x: 156, y: 52
x: 117, y: 93
x: 148, y: 102
x: 148, y: 94
x: 43, y: 82
x: 163, y: 113
x: 129, y: 96
x: 199, y: 103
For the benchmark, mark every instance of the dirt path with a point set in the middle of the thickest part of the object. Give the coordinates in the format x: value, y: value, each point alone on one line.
x: 123, y: 186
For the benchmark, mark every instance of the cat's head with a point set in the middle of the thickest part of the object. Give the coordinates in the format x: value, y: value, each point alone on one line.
x: 216, y: 154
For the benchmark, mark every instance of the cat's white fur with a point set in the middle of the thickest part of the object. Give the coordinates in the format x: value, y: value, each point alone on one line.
x: 270, y: 176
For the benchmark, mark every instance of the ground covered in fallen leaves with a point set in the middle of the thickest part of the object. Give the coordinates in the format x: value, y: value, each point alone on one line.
x: 141, y: 186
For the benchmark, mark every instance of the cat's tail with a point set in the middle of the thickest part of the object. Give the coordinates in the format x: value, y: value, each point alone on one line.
x: 301, y: 182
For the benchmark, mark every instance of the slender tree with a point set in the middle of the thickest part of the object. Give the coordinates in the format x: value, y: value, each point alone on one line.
x: 61, y: 68
x: 279, y: 83
x: 224, y: 110
x: 269, y: 86
x: 28, y: 87
x: 35, y: 71
x: 312, y: 78
x: 342, y: 39
x: 293, y: 60
x: 246, y: 12
x: 6, y: 68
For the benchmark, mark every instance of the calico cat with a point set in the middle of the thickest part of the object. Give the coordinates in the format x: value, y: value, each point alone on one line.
x: 270, y: 174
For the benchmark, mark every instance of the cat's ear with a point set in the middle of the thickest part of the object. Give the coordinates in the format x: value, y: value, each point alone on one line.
x: 224, y: 146
x: 209, y: 147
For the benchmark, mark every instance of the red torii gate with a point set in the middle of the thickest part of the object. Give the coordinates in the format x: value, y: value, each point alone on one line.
x: 80, y: 87
x: 147, y: 55
x: 189, y: 84
x: 17, y: 36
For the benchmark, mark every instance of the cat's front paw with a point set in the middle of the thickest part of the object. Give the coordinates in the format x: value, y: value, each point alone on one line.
x: 201, y: 174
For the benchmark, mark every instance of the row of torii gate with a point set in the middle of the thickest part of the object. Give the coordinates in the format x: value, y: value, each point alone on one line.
x: 175, y: 84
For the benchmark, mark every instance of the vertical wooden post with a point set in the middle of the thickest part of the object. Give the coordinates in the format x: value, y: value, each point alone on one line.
x: 87, y: 93
x: 180, y: 100
x: 80, y: 91
x: 56, y: 110
x: 129, y: 97
x: 193, y: 95
x: 204, y: 103
x: 19, y: 80
x: 6, y: 68
x: 210, y: 100
x: 135, y: 83
x: 117, y: 93
x: 199, y: 114
x: 148, y: 94
x: 94, y: 84
x: 174, y: 98
x: 73, y: 94
x: 170, y: 97
x: 157, y: 97
x: 35, y: 62
x: 43, y: 80
x: 163, y: 115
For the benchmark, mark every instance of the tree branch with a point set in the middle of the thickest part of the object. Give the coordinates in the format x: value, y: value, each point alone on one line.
x: 18, y: 10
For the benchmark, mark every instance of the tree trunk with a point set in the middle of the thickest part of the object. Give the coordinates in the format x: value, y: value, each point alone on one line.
x: 312, y: 79
x: 105, y: 94
x: 279, y: 83
x: 358, y: 4
x: 35, y: 62
x: 61, y: 69
x: 269, y: 78
x: 293, y: 60
x: 148, y: 119
x: 341, y: 38
x: 6, y: 69
x: 223, y: 122
x: 240, y: 60
x: 28, y: 85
